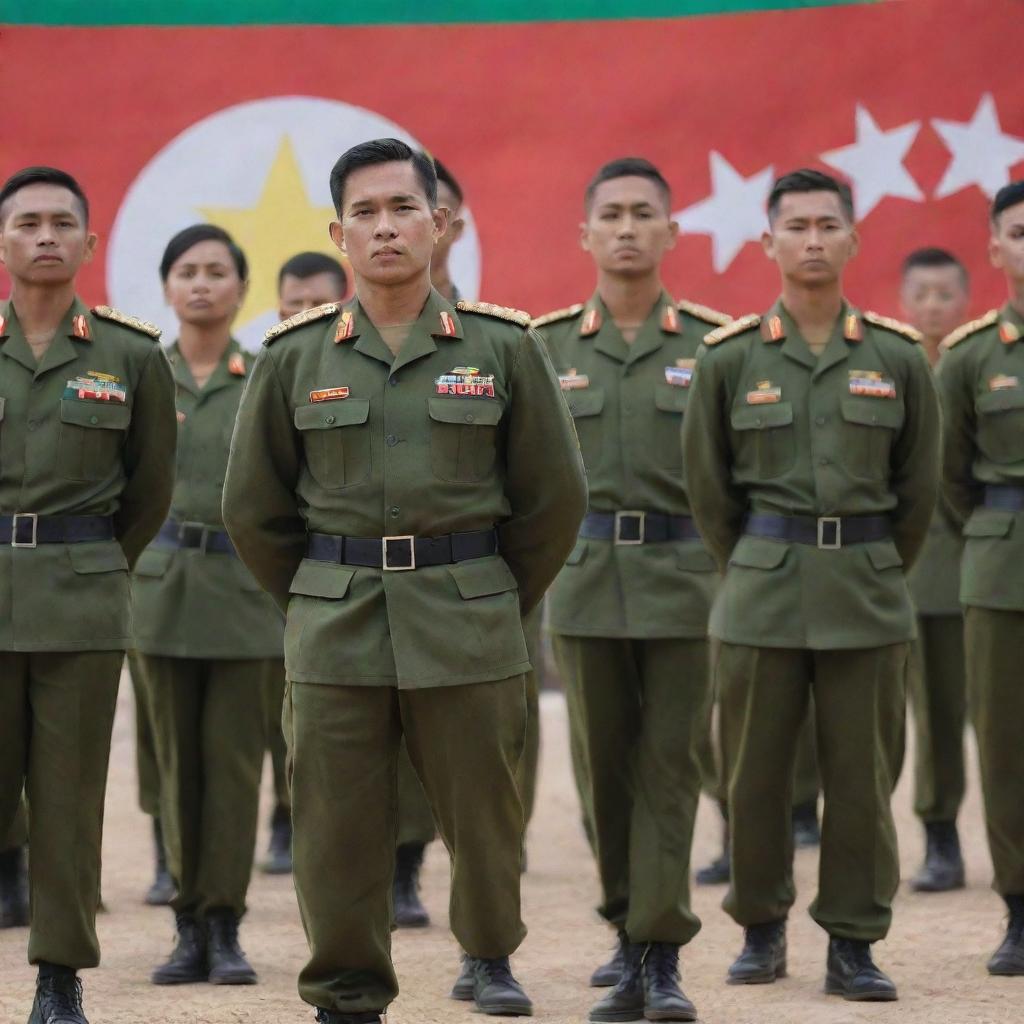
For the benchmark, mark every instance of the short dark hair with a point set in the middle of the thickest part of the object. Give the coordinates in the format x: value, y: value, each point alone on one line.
x: 185, y: 239
x: 382, y: 151
x: 445, y: 177
x: 308, y: 264
x: 806, y: 179
x: 627, y: 167
x: 931, y: 256
x: 1007, y: 196
x: 43, y: 176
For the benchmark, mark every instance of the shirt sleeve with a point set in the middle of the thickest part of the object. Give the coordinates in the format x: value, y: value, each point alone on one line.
x: 960, y: 489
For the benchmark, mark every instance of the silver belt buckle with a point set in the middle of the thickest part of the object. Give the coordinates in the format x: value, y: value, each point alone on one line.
x: 385, y: 563
x: 33, y: 518
x: 835, y: 521
x: 640, y: 517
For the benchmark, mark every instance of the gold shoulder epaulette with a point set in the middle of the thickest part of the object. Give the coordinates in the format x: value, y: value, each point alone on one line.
x: 731, y: 330
x: 896, y: 326
x: 117, y: 317
x: 517, y: 316
x: 307, y: 316
x: 990, y: 319
x: 558, y: 314
x: 705, y: 313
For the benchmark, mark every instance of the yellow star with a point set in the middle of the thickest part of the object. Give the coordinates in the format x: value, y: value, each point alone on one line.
x: 283, y: 222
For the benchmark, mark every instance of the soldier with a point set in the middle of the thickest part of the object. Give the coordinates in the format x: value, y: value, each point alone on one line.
x: 88, y: 459
x: 405, y: 482
x: 934, y: 296
x: 629, y: 611
x: 981, y: 378
x: 811, y: 453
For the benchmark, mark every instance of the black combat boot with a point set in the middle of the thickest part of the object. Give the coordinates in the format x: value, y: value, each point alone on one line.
x: 763, y: 958
x: 14, y: 911
x: 853, y: 975
x: 943, y: 867
x: 719, y: 871
x: 279, y: 852
x: 806, y: 830
x: 58, y: 997
x: 626, y: 1001
x: 163, y: 890
x: 337, y: 1017
x: 1008, y: 959
x: 187, y: 963
x: 463, y: 987
x: 228, y: 965
x: 405, y: 894
x: 608, y: 974
x: 496, y: 991
x: 663, y: 998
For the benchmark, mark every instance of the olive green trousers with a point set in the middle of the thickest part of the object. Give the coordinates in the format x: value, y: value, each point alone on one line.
x: 147, y: 772
x: 638, y: 707
x: 994, y: 642
x: 859, y: 719
x: 209, y: 721
x: 56, y: 717
x: 465, y: 743
x: 274, y: 691
x: 17, y: 832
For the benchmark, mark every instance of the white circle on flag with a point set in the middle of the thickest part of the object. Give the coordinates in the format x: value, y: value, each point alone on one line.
x: 260, y: 168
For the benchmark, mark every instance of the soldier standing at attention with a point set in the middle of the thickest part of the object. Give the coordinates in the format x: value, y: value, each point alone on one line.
x: 629, y: 611
x: 87, y: 404
x: 981, y: 379
x: 405, y: 483
x: 811, y: 453
x: 934, y: 295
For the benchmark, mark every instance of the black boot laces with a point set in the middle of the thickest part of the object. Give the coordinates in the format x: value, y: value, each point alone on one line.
x: 662, y: 963
x: 858, y: 954
x: 60, y: 1000
x: 498, y: 970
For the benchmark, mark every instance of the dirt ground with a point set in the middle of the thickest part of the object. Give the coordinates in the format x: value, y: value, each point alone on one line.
x: 936, y: 951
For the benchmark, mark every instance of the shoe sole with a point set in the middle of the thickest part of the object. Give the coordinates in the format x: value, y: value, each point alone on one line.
x: 463, y: 995
x: 768, y: 978
x: 681, y: 1015
x: 417, y: 923
x: 194, y: 980
x: 233, y: 979
x: 604, y: 982
x: 961, y: 884
x: 834, y: 989
x: 1007, y: 972
x: 621, y: 1017
x: 506, y: 1010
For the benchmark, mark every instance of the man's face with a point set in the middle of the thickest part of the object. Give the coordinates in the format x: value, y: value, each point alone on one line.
x: 628, y: 228
x: 456, y: 225
x: 300, y: 293
x: 1006, y: 246
x: 811, y: 238
x: 387, y: 228
x: 43, y: 237
x: 934, y: 299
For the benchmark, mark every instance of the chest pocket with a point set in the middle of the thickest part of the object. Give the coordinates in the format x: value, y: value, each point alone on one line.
x: 767, y: 438
x: 869, y: 430
x: 670, y: 402
x: 463, y: 437
x: 1001, y: 425
x: 336, y: 441
x: 90, y: 438
x: 585, y: 407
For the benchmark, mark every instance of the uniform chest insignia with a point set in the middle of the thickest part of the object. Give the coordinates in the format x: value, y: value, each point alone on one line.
x: 466, y: 382
x: 852, y: 330
x: 670, y: 320
x: 1003, y: 382
x: 872, y: 384
x: 96, y: 388
x: 328, y: 394
x: 591, y: 323
x: 447, y: 324
x: 1008, y: 332
x: 681, y: 374
x: 345, y: 327
x: 236, y: 364
x: 573, y: 381
x: 80, y: 328
x: 764, y: 393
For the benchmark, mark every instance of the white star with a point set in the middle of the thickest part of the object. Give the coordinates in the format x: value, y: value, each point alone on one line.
x: 983, y: 153
x: 732, y: 215
x: 875, y: 162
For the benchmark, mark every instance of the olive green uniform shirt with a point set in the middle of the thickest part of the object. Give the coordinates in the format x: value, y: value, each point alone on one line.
x: 64, y: 453
x: 190, y: 603
x: 464, y: 430
x: 853, y: 432
x: 628, y: 401
x: 981, y: 379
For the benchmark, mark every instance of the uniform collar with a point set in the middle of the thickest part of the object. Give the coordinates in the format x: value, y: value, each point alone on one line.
x: 225, y: 373
x: 1011, y: 325
x: 663, y: 321
x: 779, y: 328
x: 73, y: 337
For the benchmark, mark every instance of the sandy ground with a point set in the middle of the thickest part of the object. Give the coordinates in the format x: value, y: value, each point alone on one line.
x: 936, y: 951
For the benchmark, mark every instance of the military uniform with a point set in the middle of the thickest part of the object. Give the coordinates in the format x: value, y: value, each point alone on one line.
x: 210, y: 642
x: 813, y: 480
x: 981, y: 379
x: 629, y: 611
x: 86, y: 464
x: 459, y: 453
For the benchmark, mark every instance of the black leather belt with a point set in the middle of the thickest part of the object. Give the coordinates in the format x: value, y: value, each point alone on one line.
x: 194, y: 535
x: 399, y: 554
x: 827, y: 532
x: 637, y: 527
x: 1009, y: 497
x: 26, y: 529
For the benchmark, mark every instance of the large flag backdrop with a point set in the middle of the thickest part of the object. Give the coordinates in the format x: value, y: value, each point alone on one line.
x: 917, y: 102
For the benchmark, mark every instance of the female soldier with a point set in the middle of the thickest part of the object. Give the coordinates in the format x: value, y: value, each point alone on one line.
x: 207, y: 636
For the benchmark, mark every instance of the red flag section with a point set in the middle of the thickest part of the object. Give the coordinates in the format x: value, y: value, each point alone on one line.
x: 918, y: 103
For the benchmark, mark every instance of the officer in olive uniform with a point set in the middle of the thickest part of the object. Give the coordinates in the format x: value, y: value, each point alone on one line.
x: 811, y: 454
x: 86, y: 466
x: 629, y: 611
x: 981, y: 379
x: 405, y: 482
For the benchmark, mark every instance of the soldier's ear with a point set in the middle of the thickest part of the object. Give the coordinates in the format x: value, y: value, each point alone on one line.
x: 854, y: 242
x: 995, y: 253
x: 91, y: 241
x: 440, y: 216
x: 768, y: 244
x: 337, y: 233
x: 584, y: 236
x: 673, y: 233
